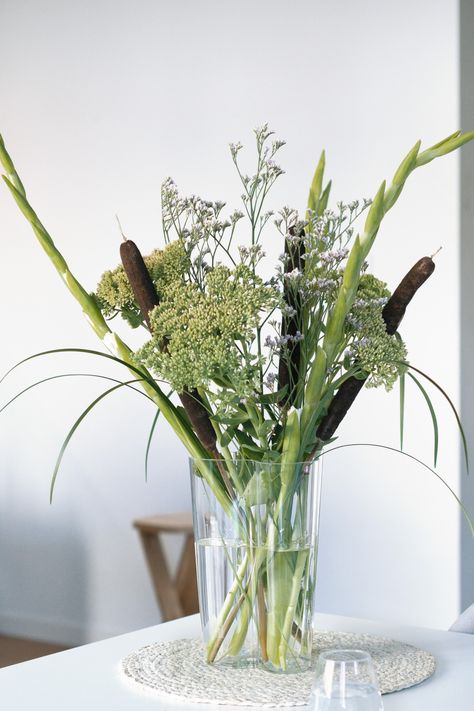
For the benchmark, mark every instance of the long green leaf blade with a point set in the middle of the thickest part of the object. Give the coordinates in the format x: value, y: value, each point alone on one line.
x: 466, y: 513
x: 452, y: 406
x: 432, y: 413
x: 89, y: 351
x: 402, y: 408
x: 150, y: 437
x: 74, y: 428
x: 71, y: 375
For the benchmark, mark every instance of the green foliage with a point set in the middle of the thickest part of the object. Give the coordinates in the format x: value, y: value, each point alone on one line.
x: 225, y: 326
x: 377, y: 354
x: 115, y: 295
x: 431, y: 409
x: 221, y: 326
x: 206, y: 331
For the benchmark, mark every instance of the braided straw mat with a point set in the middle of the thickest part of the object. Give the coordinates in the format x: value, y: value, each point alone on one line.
x: 177, y: 670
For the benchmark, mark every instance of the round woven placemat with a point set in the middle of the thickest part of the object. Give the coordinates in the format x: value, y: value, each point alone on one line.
x: 177, y: 669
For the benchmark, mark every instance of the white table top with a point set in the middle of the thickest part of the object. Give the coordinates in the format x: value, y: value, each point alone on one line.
x: 87, y: 677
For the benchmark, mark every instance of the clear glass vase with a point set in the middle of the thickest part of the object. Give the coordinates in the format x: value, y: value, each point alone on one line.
x: 256, y: 553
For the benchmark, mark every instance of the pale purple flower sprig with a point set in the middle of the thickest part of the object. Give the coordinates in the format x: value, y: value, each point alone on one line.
x: 333, y: 257
x: 270, y: 380
x: 277, y: 342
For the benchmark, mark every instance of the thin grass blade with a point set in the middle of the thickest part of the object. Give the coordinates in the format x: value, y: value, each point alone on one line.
x: 432, y: 413
x: 74, y: 428
x: 109, y: 356
x: 402, y: 408
x: 466, y: 513
x: 453, y: 408
x: 72, y: 375
x: 150, y: 437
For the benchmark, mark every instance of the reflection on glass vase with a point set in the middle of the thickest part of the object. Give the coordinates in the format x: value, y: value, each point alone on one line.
x: 256, y: 553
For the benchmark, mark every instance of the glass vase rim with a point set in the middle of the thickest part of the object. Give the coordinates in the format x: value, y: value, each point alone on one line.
x: 212, y: 460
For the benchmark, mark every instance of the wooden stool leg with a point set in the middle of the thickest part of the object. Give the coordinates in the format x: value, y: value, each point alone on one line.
x: 186, y: 583
x: 163, y: 585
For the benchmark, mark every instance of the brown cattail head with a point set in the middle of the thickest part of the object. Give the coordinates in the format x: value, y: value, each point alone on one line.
x: 139, y: 278
x: 393, y: 313
x: 395, y: 307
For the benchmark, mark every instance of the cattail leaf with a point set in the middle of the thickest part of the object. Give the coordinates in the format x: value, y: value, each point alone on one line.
x: 432, y: 413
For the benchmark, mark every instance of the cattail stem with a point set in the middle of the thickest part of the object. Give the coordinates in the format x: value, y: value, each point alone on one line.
x: 147, y: 298
x: 392, y: 314
x: 289, y: 365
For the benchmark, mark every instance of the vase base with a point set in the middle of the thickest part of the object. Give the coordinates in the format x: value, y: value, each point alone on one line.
x: 239, y: 662
x: 292, y: 666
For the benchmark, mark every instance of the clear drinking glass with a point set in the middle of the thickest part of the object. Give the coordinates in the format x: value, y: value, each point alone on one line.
x: 345, y: 680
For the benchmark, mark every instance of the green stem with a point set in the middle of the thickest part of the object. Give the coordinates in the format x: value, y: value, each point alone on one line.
x: 301, y: 561
x: 218, y: 637
x: 248, y: 606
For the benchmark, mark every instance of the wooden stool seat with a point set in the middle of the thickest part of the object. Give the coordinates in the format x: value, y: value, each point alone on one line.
x: 166, y: 523
x: 176, y: 597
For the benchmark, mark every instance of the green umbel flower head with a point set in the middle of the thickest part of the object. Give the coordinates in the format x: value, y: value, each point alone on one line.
x: 200, y: 335
x: 376, y: 352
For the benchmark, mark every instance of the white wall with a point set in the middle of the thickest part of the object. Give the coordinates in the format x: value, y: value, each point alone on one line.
x: 466, y: 16
x: 99, y: 101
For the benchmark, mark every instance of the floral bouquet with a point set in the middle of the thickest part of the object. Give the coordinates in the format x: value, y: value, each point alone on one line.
x: 261, y: 362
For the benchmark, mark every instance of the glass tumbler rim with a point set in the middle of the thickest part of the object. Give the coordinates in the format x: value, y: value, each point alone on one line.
x: 345, y: 655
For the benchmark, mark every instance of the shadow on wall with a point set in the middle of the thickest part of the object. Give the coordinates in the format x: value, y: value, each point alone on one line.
x: 43, y: 585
